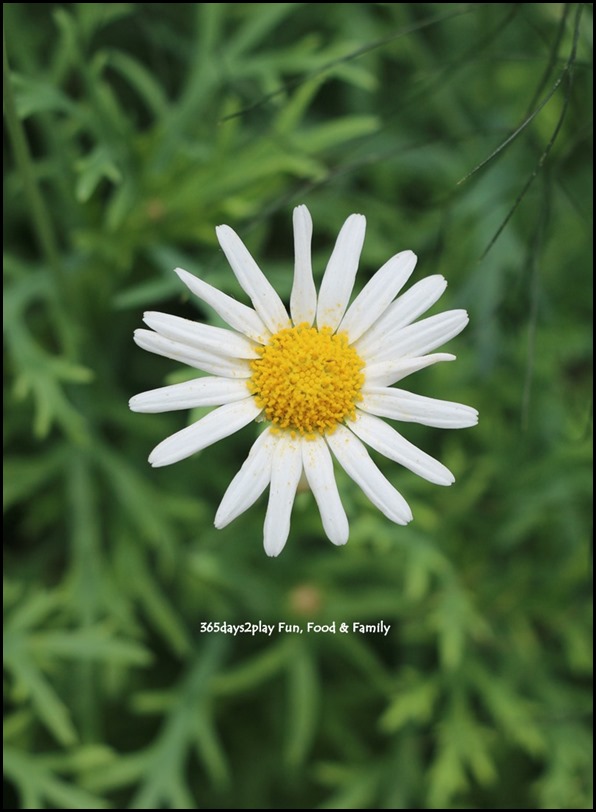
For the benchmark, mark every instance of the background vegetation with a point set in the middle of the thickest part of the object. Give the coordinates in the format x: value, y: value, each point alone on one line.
x: 463, y: 132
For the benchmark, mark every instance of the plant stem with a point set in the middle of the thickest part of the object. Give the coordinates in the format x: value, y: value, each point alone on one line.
x: 42, y: 223
x: 39, y: 213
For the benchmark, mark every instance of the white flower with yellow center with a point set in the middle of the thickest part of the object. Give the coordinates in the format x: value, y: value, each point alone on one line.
x: 321, y: 379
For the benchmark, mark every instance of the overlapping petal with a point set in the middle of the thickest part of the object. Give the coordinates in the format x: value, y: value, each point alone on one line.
x: 211, y: 362
x: 385, y: 373
x: 286, y: 469
x: 318, y: 468
x: 252, y: 279
x: 205, y: 391
x: 387, y: 441
x: 423, y: 336
x: 377, y: 294
x: 397, y: 404
x: 201, y: 336
x: 216, y: 425
x: 356, y: 462
x: 403, y: 311
x: 250, y: 481
x: 237, y: 315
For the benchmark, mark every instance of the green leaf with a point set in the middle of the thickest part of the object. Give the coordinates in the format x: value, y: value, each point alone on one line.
x: 89, y: 644
x: 146, y: 293
x: 141, y: 80
x: 92, y: 17
x: 415, y: 702
x: 158, y: 606
x: 36, y: 783
x: 210, y: 750
x: 23, y: 476
x: 34, y: 96
x: 253, y: 672
x: 303, y: 704
x: 52, y: 712
x: 92, y: 169
x: 334, y: 133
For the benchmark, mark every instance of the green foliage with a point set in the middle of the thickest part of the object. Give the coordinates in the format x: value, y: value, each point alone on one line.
x: 133, y: 130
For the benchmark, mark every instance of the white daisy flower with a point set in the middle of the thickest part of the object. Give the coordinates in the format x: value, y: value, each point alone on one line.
x: 321, y: 378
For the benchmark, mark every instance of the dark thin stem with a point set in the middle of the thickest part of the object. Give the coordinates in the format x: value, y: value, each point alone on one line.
x: 40, y: 217
x: 534, y: 263
x: 554, y: 55
x: 566, y: 75
x: 358, y: 52
x: 42, y: 224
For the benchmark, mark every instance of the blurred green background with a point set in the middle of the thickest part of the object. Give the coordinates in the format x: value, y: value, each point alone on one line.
x: 132, y: 130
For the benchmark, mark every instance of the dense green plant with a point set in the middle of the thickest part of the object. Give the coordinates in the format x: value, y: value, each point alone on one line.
x: 463, y: 132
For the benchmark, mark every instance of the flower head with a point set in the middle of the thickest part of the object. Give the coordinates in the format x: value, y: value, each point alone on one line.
x: 320, y: 377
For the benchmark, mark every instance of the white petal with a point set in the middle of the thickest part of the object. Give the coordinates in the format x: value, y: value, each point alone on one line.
x: 201, y: 336
x: 377, y: 295
x: 234, y: 313
x: 384, y: 439
x: 422, y: 337
x: 385, y: 373
x: 250, y: 481
x: 318, y: 467
x: 303, y: 301
x: 286, y: 469
x: 190, y: 395
x: 402, y: 312
x: 340, y: 273
x: 356, y: 462
x: 252, y: 279
x: 214, y: 426
x: 397, y: 404
x: 192, y: 357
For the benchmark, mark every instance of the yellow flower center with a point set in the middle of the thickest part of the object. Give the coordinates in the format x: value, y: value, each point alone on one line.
x: 307, y: 380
